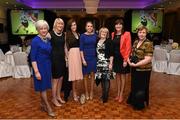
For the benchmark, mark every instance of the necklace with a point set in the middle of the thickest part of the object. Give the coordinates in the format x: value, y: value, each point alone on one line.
x: 101, y: 41
x: 44, y: 39
x: 58, y: 34
x: 75, y: 35
x: 89, y: 33
x: 140, y: 43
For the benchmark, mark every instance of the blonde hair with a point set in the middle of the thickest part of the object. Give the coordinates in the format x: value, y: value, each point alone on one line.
x: 175, y: 45
x: 140, y: 28
x: 105, y: 30
x: 41, y: 23
x: 58, y: 20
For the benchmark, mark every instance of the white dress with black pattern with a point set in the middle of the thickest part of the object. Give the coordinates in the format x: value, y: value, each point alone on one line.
x: 103, y: 71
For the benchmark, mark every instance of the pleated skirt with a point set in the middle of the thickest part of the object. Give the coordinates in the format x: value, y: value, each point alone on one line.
x: 75, y: 65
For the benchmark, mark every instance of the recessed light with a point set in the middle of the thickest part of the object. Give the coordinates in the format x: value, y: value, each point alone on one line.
x: 7, y: 2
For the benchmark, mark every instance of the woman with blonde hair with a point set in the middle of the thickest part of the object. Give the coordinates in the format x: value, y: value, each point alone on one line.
x: 104, y: 51
x: 58, y: 60
x: 40, y: 57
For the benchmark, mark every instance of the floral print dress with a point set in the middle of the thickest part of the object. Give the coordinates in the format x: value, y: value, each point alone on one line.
x: 103, y: 71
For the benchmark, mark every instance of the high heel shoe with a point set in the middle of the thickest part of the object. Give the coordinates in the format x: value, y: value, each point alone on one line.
x: 87, y: 96
x: 91, y: 96
x: 44, y: 109
x: 120, y: 99
x: 76, y: 98
x: 51, y: 113
x: 61, y: 101
x: 117, y: 98
x: 57, y: 104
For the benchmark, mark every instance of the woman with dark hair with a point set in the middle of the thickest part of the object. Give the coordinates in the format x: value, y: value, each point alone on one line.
x: 140, y: 61
x: 88, y: 55
x: 122, y: 49
x: 74, y: 56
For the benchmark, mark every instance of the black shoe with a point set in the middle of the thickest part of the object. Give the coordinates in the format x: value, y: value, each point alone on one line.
x: 105, y: 100
x: 139, y: 107
x: 65, y: 99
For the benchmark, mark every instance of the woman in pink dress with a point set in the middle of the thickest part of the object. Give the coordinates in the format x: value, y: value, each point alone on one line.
x: 74, y: 58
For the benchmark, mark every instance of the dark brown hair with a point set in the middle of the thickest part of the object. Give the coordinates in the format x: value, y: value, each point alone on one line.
x: 89, y: 22
x: 69, y: 35
x: 119, y: 21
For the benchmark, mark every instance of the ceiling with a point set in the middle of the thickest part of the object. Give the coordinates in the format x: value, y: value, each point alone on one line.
x: 112, y: 4
x: 79, y: 4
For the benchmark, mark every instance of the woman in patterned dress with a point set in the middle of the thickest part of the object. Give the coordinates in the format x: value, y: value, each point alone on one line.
x: 141, y: 70
x: 104, y: 62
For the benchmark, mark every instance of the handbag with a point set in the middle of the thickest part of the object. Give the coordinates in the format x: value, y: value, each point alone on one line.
x: 98, y: 81
x: 134, y: 59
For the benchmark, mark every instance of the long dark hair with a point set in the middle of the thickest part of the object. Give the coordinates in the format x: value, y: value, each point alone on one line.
x: 119, y: 21
x: 69, y: 35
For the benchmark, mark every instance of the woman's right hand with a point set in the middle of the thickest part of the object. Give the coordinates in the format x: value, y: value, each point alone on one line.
x: 38, y: 75
x: 84, y: 63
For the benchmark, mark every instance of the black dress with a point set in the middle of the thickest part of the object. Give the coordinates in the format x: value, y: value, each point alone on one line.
x: 118, y: 59
x: 58, y: 55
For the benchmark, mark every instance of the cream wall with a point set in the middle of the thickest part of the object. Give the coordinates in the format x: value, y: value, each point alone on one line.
x: 3, y: 20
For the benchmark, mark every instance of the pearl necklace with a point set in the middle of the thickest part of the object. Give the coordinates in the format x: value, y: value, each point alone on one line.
x: 43, y: 39
x: 58, y: 34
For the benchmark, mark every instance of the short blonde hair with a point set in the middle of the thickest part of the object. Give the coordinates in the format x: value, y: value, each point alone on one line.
x: 105, y: 30
x: 140, y: 28
x: 41, y: 23
x: 55, y: 23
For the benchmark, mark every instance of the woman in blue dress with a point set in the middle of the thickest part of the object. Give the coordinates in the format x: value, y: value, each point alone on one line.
x: 88, y: 42
x: 41, y: 63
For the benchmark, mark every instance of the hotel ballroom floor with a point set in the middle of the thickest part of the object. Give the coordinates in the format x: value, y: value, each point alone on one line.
x: 19, y: 101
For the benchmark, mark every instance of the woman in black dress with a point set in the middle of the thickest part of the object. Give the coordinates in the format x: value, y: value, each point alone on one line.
x: 58, y: 60
x: 122, y: 49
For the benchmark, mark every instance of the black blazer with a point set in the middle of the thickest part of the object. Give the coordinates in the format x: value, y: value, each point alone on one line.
x: 109, y: 49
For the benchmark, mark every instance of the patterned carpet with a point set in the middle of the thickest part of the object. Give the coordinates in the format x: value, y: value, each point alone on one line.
x: 19, y: 101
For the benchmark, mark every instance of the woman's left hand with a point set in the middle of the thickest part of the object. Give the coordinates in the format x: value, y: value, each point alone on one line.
x: 124, y: 64
x: 132, y: 64
x: 110, y: 67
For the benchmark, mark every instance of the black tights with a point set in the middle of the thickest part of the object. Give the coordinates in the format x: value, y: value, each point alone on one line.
x: 105, y: 89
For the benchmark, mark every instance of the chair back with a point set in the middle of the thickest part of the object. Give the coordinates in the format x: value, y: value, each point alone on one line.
x: 14, y: 48
x: 20, y: 58
x: 2, y: 56
x: 175, y: 51
x: 174, y: 56
x: 160, y: 55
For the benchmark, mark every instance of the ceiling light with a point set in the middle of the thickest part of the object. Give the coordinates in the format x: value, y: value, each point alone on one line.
x: 91, y: 6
